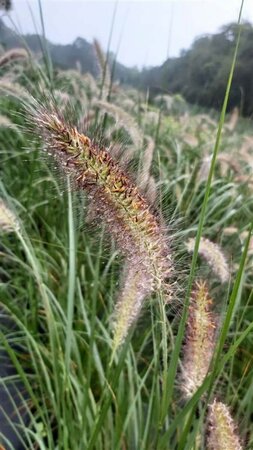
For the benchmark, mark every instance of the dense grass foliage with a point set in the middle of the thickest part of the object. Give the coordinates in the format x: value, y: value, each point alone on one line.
x: 60, y: 271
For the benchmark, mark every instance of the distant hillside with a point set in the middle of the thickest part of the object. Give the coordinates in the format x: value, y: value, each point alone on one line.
x: 200, y: 74
x: 78, y: 54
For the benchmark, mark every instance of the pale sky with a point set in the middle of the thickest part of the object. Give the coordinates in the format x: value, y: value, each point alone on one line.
x: 144, y: 32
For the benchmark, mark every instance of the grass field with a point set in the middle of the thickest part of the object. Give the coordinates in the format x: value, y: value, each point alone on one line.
x: 63, y: 270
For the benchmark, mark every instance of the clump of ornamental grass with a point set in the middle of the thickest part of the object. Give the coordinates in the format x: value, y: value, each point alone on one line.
x: 222, y: 431
x: 213, y: 255
x: 200, y: 340
x: 117, y: 201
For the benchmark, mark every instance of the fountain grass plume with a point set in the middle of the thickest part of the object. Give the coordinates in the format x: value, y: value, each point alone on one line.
x: 225, y: 160
x: 13, y: 55
x: 147, y: 162
x: 200, y: 340
x: 213, y: 255
x: 8, y: 220
x: 151, y: 190
x: 124, y: 119
x: 105, y: 74
x: 5, y: 122
x: 12, y: 89
x: 136, y: 286
x: 222, y: 433
x: 118, y: 202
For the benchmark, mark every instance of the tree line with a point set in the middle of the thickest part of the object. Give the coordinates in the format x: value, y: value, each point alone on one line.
x: 200, y: 74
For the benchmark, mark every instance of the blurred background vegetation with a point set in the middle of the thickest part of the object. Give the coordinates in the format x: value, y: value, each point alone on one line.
x: 199, y: 74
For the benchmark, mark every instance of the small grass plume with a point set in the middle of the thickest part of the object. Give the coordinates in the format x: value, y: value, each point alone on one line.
x: 5, y: 122
x: 200, y: 340
x: 13, y: 55
x: 8, y: 220
x: 123, y: 119
x: 213, y: 255
x: 222, y: 434
x: 105, y: 74
x: 147, y: 163
x: 118, y: 202
x: 136, y: 286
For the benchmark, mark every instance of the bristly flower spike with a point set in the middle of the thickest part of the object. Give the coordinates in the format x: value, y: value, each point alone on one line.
x: 118, y: 202
x: 13, y: 55
x: 200, y: 340
x: 222, y: 434
x: 8, y: 221
x: 213, y: 255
